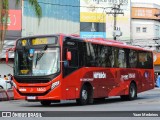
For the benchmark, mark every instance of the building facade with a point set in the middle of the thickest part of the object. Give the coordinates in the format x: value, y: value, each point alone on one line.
x: 59, y: 16
x: 145, y: 25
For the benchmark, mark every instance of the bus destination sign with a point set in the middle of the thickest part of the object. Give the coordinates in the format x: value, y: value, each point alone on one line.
x: 39, y: 41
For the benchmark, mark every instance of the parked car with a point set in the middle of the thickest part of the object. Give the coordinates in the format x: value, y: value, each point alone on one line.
x: 5, y: 84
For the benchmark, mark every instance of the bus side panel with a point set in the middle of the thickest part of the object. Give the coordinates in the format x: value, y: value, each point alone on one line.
x: 106, y: 85
x: 74, y: 82
x: 143, y: 79
x: 71, y: 85
x: 116, y: 82
x: 102, y: 80
x: 147, y: 80
x: 122, y: 80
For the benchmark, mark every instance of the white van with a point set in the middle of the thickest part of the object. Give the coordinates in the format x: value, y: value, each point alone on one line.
x: 5, y: 84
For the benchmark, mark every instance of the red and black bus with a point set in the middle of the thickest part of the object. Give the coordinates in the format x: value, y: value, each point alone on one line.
x: 51, y: 68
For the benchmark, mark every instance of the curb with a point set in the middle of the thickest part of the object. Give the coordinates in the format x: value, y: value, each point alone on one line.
x: 10, y: 94
x: 3, y: 95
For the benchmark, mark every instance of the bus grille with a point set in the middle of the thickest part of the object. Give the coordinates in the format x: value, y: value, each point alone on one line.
x: 32, y: 80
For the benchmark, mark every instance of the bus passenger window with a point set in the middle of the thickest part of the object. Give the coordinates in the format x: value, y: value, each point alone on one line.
x: 90, y: 55
x: 110, y: 57
x: 133, y: 59
x: 145, y: 60
x: 149, y: 61
x: 74, y: 61
x: 116, y: 56
x: 122, y: 59
x: 142, y: 60
x: 70, y: 65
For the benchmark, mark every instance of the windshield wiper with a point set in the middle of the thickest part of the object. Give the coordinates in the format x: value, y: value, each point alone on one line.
x: 39, y: 55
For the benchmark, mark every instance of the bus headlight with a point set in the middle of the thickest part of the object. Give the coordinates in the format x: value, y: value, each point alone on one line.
x: 55, y: 84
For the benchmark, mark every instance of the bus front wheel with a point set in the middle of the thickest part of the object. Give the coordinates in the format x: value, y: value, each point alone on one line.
x: 45, y: 103
x: 86, y: 96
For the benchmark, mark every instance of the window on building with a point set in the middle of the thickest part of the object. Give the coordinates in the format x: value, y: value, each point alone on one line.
x: 157, y: 30
x: 144, y: 29
x: 138, y: 29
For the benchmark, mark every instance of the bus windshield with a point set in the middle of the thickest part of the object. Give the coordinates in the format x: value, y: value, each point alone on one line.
x: 37, y: 62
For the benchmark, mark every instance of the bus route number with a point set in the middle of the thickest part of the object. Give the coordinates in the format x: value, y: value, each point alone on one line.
x: 39, y: 41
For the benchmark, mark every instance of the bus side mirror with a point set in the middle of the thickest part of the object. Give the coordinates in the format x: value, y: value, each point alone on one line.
x: 69, y: 55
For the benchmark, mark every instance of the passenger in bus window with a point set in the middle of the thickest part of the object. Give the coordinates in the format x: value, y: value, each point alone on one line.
x: 149, y: 61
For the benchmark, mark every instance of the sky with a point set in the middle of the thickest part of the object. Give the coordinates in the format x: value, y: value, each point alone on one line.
x: 147, y: 1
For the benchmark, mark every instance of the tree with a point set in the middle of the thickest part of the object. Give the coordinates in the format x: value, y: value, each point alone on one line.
x: 3, y: 21
x: 4, y: 6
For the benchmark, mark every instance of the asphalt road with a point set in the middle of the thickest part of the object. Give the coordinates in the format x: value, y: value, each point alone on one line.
x: 147, y: 102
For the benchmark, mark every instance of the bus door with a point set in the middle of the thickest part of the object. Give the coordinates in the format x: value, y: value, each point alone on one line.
x: 70, y: 65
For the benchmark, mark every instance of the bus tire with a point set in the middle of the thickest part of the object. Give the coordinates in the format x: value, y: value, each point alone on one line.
x: 84, y: 96
x: 90, y: 95
x: 132, y: 91
x: 45, y: 102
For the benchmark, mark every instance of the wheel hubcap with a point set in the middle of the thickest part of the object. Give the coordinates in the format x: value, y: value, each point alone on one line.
x: 84, y: 94
x: 132, y: 92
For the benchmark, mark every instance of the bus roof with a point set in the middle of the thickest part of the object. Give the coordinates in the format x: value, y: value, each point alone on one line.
x: 114, y: 43
x: 101, y: 41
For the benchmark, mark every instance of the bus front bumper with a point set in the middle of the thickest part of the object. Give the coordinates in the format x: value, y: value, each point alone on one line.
x: 51, y: 95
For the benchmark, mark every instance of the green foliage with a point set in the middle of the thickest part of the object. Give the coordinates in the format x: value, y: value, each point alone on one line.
x: 37, y: 8
x: 4, y: 6
x: 3, y: 21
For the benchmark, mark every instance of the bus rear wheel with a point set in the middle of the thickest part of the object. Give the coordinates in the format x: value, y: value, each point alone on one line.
x: 45, y: 102
x: 132, y: 93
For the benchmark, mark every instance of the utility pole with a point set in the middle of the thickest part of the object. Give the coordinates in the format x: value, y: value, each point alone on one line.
x: 115, y: 10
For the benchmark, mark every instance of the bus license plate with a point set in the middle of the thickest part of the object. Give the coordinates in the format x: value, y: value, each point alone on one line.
x: 31, y: 97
